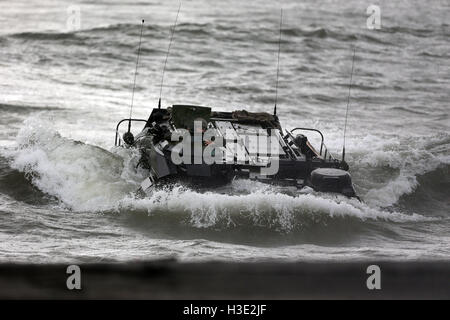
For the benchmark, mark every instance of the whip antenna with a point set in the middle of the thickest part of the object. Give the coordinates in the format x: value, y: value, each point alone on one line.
x: 135, y: 74
x: 167, y: 56
x: 278, y: 63
x: 348, y: 103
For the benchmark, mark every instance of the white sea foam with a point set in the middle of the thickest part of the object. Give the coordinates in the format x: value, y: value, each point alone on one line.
x: 82, y: 176
x: 268, y: 208
x: 88, y: 178
x: 409, y: 158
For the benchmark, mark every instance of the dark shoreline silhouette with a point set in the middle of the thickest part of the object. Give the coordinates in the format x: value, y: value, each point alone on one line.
x: 169, y: 279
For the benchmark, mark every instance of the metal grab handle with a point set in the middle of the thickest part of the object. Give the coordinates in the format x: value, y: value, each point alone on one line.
x: 310, y: 129
x: 322, y: 145
x: 118, y: 125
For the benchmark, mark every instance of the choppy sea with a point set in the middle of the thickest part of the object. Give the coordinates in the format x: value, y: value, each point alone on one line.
x: 66, y: 73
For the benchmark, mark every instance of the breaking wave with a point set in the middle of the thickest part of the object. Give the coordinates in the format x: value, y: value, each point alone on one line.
x: 267, y: 209
x: 83, y: 177
x: 88, y: 178
x: 394, y: 165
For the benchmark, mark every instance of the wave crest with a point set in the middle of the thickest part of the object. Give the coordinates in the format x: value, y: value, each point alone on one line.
x: 89, y: 178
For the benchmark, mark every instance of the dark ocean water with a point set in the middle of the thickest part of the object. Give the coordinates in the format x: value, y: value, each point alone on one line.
x: 67, y: 194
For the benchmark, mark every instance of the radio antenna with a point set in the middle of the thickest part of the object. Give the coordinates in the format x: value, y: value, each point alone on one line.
x: 167, y: 56
x: 348, y: 103
x: 278, y: 63
x: 135, y: 74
